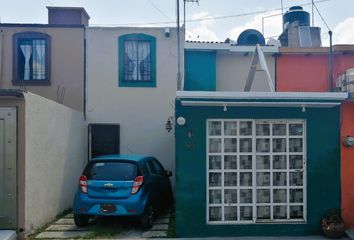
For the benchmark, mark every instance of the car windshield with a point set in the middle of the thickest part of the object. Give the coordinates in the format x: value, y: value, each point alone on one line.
x: 112, y: 171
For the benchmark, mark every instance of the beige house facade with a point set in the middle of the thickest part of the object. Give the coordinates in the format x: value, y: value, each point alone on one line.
x: 46, y: 59
x: 137, y: 95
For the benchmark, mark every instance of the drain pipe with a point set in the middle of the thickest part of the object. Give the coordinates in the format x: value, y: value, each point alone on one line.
x: 85, y: 73
x: 330, y: 62
x: 1, y: 55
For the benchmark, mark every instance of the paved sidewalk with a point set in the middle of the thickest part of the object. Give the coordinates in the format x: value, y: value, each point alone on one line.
x: 8, y: 235
x: 65, y: 228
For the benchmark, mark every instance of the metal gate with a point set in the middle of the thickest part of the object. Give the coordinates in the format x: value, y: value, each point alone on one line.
x: 8, y: 181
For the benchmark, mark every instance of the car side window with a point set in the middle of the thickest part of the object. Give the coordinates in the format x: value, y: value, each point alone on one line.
x: 146, y: 169
x: 150, y: 167
x: 158, y: 167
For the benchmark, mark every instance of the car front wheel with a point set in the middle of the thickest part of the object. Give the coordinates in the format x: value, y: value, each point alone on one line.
x: 147, y: 218
x: 81, y: 220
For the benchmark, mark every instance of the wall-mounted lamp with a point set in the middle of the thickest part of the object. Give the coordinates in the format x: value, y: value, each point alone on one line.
x: 348, y: 141
x: 169, y: 124
x: 303, y: 109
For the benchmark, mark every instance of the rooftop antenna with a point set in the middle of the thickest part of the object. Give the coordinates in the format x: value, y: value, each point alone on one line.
x: 185, y: 9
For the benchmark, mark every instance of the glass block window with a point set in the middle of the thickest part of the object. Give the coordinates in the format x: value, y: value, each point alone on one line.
x: 256, y: 171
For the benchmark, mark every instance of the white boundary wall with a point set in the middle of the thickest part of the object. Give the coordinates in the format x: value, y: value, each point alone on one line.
x: 56, y: 151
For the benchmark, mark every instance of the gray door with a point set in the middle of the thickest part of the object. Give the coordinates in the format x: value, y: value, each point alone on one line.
x: 8, y: 181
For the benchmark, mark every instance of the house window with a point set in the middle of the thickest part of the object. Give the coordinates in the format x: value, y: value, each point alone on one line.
x: 137, y: 61
x: 31, y: 58
x: 256, y: 171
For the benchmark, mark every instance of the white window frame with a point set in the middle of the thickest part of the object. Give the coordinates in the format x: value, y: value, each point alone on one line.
x: 254, y: 187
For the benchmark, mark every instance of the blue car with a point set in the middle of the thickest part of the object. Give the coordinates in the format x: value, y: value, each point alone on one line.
x: 122, y: 185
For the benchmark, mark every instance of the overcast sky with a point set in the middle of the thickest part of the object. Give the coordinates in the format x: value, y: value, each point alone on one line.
x: 212, y: 20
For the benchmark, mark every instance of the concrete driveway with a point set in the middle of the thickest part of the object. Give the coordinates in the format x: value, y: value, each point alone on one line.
x: 100, y: 228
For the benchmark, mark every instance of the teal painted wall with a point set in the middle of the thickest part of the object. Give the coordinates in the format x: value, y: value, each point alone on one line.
x: 200, y: 71
x: 323, y: 170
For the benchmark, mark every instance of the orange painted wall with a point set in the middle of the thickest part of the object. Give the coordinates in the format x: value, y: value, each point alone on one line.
x: 310, y: 74
x: 300, y: 73
x: 347, y: 165
x: 341, y: 62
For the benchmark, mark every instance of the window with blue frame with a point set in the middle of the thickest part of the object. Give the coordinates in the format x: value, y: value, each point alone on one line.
x: 137, y: 60
x: 31, y: 58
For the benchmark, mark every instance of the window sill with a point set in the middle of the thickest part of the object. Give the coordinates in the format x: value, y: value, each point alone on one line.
x: 31, y: 82
x: 137, y: 84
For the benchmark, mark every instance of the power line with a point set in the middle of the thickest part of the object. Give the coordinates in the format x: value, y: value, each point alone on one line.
x: 50, y: 2
x: 318, y: 11
x: 248, y: 14
x: 160, y: 11
x: 211, y: 18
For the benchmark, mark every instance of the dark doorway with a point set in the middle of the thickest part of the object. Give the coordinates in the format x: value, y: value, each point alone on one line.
x: 103, y: 139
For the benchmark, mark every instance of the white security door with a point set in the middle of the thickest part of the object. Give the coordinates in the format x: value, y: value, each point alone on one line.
x: 8, y: 182
x: 256, y: 171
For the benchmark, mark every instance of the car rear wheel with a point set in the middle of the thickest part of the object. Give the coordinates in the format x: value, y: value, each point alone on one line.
x: 81, y: 220
x: 147, y: 218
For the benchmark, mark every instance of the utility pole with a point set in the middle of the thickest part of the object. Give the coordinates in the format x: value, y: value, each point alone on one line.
x: 179, y: 79
x: 282, y: 13
x: 184, y: 13
x: 313, y: 13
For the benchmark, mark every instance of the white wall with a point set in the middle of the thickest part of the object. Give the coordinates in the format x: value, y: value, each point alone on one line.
x: 141, y: 112
x: 56, y: 147
x: 232, y: 70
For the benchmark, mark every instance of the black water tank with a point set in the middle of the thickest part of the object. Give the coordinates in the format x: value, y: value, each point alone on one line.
x: 250, y: 37
x: 296, y: 13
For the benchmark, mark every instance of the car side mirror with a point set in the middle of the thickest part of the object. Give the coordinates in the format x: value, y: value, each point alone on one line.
x: 168, y: 173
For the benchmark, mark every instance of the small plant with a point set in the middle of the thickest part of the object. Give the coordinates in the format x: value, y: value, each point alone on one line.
x: 333, y: 225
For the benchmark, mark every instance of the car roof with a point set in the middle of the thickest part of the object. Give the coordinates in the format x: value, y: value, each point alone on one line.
x: 114, y: 157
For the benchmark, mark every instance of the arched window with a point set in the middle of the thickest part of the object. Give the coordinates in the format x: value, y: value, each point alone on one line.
x: 137, y: 60
x: 31, y: 58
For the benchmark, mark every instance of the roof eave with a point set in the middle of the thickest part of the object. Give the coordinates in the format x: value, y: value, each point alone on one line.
x: 207, y: 46
x: 287, y: 96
